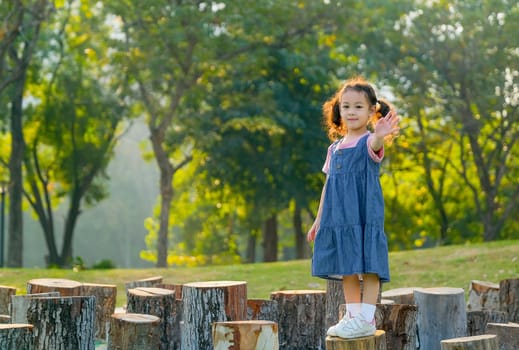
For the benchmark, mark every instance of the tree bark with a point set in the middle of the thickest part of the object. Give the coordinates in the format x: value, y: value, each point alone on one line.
x: 399, y: 323
x: 301, y: 318
x: 507, y: 334
x: 134, y: 332
x: 302, y: 248
x: 334, y: 299
x: 20, y: 304
x: 483, y: 296
x: 5, y: 298
x: 63, y: 322
x: 509, y: 298
x: 270, y: 239
x: 105, y: 295
x: 16, y: 336
x: 146, y: 282
x: 161, y: 303
x: 208, y: 302
x: 261, y: 309
x: 441, y: 315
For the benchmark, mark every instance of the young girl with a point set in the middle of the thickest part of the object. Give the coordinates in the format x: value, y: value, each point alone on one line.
x: 350, y: 243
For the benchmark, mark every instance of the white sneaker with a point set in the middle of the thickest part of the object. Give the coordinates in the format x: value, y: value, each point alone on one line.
x: 354, y: 328
x: 332, y: 331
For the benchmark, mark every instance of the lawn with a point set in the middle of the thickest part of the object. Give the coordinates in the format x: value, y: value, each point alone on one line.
x: 452, y: 266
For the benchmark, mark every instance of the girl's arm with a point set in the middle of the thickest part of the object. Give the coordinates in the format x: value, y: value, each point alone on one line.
x: 315, y: 227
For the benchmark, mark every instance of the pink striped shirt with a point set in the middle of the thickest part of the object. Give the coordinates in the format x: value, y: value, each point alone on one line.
x: 375, y: 156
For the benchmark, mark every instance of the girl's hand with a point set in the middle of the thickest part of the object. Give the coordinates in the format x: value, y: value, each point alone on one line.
x: 387, y: 125
x: 310, y: 236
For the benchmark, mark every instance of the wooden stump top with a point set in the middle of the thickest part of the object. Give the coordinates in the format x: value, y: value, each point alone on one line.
x: 468, y: 339
x: 136, y: 318
x: 298, y: 292
x: 150, y: 292
x: 15, y: 325
x: 214, y: 284
x: 399, y: 291
x: 246, y: 322
x: 64, y: 286
x: 440, y: 290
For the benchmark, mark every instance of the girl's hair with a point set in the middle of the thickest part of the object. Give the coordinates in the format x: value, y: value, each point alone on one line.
x: 331, y: 108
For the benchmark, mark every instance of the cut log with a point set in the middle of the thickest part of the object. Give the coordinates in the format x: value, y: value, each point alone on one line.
x: 106, y: 295
x: 208, y: 302
x: 20, y: 303
x: 441, y: 315
x: 5, y: 298
x: 130, y: 331
x: 63, y: 322
x: 334, y: 299
x: 145, y: 282
x: 176, y: 287
x: 400, y: 295
x: 483, y: 296
x: 509, y: 298
x: 375, y: 342
x: 65, y: 287
x: 507, y: 334
x: 158, y: 302
x: 477, y: 320
x: 399, y: 323
x: 301, y: 318
x: 16, y: 336
x: 477, y: 342
x: 262, y: 309
x: 245, y: 335
x: 5, y: 319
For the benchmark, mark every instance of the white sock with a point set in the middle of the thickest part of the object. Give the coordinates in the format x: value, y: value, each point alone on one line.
x: 353, y: 309
x: 368, y: 311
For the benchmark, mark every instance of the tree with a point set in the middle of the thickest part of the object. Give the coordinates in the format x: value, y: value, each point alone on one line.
x: 19, y: 36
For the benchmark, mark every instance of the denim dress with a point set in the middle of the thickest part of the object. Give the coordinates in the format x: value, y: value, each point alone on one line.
x: 351, y: 238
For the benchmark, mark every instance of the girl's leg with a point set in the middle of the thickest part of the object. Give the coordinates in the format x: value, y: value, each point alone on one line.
x: 352, y: 296
x: 371, y: 286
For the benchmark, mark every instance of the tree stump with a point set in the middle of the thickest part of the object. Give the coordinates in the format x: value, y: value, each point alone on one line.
x: 245, y: 335
x: 507, y: 334
x: 161, y: 303
x: 20, y: 303
x: 130, y: 331
x: 65, y: 287
x: 208, y: 302
x: 262, y: 309
x: 5, y: 298
x: 401, y: 295
x: 483, y: 296
x: 478, y: 342
x: 509, y: 298
x: 334, y: 299
x: 176, y: 287
x: 441, y: 315
x: 399, y: 323
x: 5, y: 319
x: 106, y: 295
x: 16, y: 336
x: 375, y: 342
x: 477, y: 320
x: 63, y: 322
x: 145, y: 283
x: 301, y: 318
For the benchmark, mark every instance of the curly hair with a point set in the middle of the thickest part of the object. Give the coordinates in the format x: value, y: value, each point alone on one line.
x: 331, y: 108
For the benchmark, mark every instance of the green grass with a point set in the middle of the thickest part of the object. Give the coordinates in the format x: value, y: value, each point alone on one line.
x: 452, y: 266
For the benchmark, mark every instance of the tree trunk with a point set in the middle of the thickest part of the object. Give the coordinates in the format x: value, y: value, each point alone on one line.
x: 302, y: 248
x: 262, y: 309
x: 301, y: 319
x: 478, y: 342
x: 5, y: 298
x: 441, y: 315
x: 134, y: 332
x: 106, y: 295
x: 483, y: 296
x: 477, y: 320
x: 509, y: 298
x: 15, y: 229
x: 161, y: 303
x: 20, y: 304
x: 507, y: 334
x: 251, y: 247
x: 375, y: 342
x: 16, y: 337
x: 399, y: 323
x: 63, y: 322
x: 270, y: 239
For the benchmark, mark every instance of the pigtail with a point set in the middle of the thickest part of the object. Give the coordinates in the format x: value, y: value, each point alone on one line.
x: 332, y: 118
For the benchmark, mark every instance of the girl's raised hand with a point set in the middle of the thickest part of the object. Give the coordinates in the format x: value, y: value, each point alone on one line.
x: 387, y: 125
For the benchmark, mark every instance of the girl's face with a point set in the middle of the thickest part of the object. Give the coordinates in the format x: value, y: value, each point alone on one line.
x: 355, y: 111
